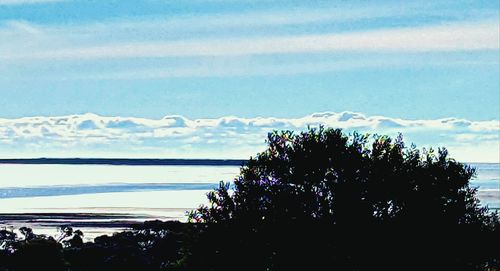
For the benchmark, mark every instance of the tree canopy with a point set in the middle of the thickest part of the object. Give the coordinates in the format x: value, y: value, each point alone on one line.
x: 325, y: 175
x: 351, y: 202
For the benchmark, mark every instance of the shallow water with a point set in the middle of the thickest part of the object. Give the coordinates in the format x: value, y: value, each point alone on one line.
x: 141, y: 192
x: 47, y: 188
x: 151, y: 191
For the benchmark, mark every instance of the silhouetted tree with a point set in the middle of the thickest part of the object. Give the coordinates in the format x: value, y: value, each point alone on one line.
x: 70, y: 238
x: 350, y: 201
x: 27, y: 233
x: 7, y: 239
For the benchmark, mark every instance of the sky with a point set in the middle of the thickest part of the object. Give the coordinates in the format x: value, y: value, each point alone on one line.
x: 210, y: 78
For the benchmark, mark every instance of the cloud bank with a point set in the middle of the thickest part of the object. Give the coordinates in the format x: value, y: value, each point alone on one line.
x: 90, y: 135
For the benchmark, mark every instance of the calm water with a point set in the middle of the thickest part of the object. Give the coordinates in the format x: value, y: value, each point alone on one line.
x: 159, y: 191
x: 162, y: 191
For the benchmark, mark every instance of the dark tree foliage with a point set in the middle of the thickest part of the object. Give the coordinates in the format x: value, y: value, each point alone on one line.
x: 322, y: 197
x: 32, y: 252
x: 152, y: 246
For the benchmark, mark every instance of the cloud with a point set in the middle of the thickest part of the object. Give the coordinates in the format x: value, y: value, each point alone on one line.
x: 23, y: 27
x: 24, y: 2
x: 458, y: 37
x: 248, y: 43
x: 225, y: 137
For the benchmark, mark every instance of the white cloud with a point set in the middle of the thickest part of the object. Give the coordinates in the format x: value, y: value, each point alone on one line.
x: 476, y: 36
x: 225, y: 137
x: 252, y: 43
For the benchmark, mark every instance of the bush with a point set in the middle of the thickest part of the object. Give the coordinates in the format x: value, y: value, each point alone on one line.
x: 322, y: 197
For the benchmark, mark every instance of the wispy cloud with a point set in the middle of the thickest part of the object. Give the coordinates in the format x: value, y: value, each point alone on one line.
x: 229, y: 136
x: 22, y: 2
x: 477, y: 36
x: 244, y: 66
x: 239, y: 40
x: 24, y: 27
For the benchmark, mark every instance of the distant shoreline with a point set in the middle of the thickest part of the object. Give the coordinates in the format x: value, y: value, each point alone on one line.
x: 125, y: 161
x: 140, y: 161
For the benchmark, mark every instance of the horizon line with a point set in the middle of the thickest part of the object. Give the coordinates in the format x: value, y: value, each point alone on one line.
x: 125, y: 161
x: 142, y: 161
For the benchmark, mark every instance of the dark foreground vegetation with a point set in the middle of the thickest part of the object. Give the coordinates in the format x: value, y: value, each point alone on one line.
x: 319, y: 200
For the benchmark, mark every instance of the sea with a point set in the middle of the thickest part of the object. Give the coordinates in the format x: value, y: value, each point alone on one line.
x: 121, y: 193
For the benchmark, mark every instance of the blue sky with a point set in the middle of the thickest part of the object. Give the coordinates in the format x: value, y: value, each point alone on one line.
x: 418, y: 60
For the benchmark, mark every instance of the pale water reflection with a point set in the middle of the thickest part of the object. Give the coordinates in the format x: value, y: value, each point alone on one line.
x: 132, y: 193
